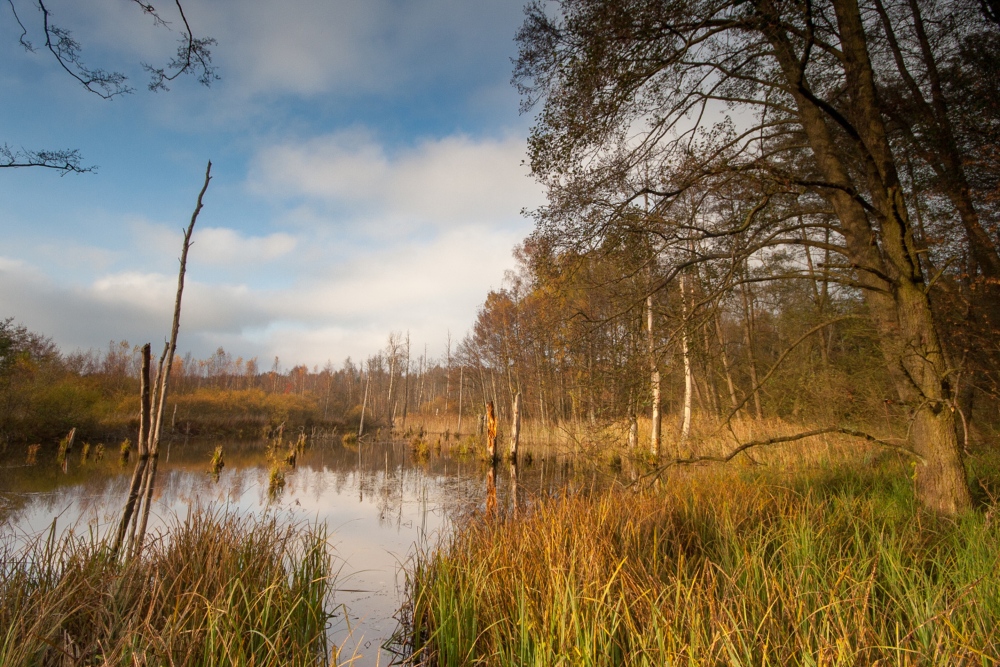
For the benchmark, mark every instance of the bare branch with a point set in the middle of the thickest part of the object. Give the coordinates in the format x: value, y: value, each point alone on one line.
x: 193, y: 55
x: 726, y: 458
x: 24, y: 31
x: 66, y: 50
x: 65, y: 161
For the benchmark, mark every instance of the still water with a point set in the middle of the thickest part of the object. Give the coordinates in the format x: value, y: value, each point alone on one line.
x: 379, y: 501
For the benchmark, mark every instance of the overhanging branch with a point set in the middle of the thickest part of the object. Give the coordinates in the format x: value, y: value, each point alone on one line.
x: 776, y: 441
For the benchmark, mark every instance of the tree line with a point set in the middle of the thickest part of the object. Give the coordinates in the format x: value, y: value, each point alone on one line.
x: 45, y: 392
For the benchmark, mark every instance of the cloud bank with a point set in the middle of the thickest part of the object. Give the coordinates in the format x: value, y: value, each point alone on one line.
x: 404, y: 239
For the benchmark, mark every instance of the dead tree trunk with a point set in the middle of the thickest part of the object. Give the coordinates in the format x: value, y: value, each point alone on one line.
x: 163, y: 379
x: 140, y: 466
x: 491, y: 432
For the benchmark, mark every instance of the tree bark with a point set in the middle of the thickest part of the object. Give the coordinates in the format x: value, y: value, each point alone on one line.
x: 140, y: 465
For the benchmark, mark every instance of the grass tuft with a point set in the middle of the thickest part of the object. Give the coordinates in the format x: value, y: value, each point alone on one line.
x: 216, y: 589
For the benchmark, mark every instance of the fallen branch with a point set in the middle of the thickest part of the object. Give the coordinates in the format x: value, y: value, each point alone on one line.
x: 774, y: 441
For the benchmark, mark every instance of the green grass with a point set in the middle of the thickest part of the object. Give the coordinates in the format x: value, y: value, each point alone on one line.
x: 723, y: 567
x: 219, y: 589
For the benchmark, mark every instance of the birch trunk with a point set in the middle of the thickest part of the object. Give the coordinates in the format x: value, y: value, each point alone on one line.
x: 461, y: 385
x: 654, y: 380
x: 515, y: 429
x: 364, y: 403
x: 685, y: 351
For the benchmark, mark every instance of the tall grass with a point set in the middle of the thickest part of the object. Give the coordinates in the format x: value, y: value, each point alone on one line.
x: 219, y: 589
x: 721, y: 567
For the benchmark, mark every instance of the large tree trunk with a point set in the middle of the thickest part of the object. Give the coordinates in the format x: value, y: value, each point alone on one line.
x: 886, y: 259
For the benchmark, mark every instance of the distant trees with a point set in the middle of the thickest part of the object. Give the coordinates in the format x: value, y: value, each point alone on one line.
x: 38, y: 396
x: 723, y: 143
x: 44, y: 393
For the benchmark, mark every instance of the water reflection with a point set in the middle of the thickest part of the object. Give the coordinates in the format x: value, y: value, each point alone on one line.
x: 379, y: 503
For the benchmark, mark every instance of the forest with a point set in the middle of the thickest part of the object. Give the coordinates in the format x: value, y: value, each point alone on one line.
x: 762, y: 298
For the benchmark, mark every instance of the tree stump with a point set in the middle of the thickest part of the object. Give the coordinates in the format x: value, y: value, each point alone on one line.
x: 491, y: 432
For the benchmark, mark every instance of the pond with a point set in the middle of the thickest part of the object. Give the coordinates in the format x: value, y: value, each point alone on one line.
x: 379, y: 501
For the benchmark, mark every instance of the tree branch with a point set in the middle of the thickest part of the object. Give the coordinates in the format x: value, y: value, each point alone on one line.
x: 775, y: 441
x: 65, y: 161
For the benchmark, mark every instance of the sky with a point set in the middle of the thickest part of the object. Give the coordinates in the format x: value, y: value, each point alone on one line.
x: 367, y: 162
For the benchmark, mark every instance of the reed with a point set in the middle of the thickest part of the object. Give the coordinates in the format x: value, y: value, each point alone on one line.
x: 722, y: 566
x: 214, y: 589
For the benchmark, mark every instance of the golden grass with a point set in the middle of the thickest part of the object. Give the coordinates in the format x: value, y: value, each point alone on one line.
x: 217, y: 589
x: 828, y: 565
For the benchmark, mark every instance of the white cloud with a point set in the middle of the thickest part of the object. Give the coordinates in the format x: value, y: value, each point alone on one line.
x: 376, y: 240
x: 129, y: 305
x: 320, y: 46
x: 221, y: 246
x: 213, y: 246
x: 307, y: 47
x: 444, y: 182
x: 347, y: 308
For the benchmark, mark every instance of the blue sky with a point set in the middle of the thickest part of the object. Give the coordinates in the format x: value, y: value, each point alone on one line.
x: 367, y: 176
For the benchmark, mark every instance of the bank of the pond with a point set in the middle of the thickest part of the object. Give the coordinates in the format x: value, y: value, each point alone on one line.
x: 721, y: 567
x: 214, y: 589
